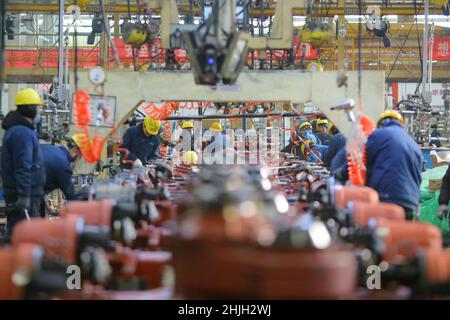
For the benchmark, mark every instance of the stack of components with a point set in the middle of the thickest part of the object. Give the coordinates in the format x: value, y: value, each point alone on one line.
x: 228, y: 231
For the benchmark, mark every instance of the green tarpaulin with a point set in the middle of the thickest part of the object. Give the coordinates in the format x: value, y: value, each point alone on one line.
x: 429, y: 200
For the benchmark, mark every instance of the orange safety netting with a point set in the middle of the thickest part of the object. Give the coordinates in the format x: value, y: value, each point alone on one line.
x: 91, y: 150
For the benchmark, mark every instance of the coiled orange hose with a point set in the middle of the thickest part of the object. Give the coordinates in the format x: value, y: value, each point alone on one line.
x: 357, y: 170
x: 90, y: 150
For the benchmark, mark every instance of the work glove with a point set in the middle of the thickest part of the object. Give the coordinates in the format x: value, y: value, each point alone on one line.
x: 20, y: 209
x: 23, y: 202
x: 137, y: 164
x: 442, y: 211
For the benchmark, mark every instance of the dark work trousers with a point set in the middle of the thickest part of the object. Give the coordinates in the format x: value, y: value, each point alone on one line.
x: 15, y: 215
x: 411, y: 214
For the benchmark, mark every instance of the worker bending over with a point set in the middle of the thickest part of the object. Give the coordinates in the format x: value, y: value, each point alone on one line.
x: 58, y: 162
x: 22, y: 164
x: 394, y: 163
x: 336, y: 143
x: 142, y: 142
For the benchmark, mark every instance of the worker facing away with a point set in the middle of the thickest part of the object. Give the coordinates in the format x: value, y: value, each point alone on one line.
x: 22, y: 163
x: 336, y: 143
x: 142, y: 142
x: 434, y: 138
x: 58, y: 162
x: 394, y: 163
x: 322, y: 132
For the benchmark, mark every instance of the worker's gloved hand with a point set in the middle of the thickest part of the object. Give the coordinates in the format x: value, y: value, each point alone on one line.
x: 442, y: 211
x: 137, y: 164
x: 23, y: 202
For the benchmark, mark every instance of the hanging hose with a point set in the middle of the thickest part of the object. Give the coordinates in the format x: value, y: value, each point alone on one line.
x: 357, y: 153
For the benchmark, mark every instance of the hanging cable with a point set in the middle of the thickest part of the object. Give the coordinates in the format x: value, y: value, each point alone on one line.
x: 108, y: 32
x: 359, y: 55
x: 2, y: 50
x: 419, y: 80
x: 399, y: 52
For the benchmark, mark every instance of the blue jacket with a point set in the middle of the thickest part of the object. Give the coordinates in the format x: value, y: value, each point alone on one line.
x: 337, y: 143
x: 22, y: 167
x: 339, y: 165
x: 394, y: 165
x: 313, y: 138
x: 322, y: 152
x: 324, y: 138
x: 58, y: 170
x: 140, y: 146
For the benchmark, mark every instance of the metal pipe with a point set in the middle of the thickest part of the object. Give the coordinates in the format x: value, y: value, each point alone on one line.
x: 237, y: 116
x: 425, y: 49
x: 60, y: 54
x: 2, y: 51
x: 430, y: 55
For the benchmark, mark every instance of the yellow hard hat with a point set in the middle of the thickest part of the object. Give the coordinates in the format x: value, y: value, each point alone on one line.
x: 78, y: 139
x: 191, y: 157
x: 28, y: 97
x: 331, y: 126
x: 390, y: 113
x: 81, y: 3
x: 439, y: 3
x: 322, y: 121
x: 152, y: 126
x: 304, y: 124
x: 216, y: 126
x: 187, y: 125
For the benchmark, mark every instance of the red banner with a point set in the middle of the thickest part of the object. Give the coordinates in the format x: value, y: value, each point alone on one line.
x: 441, y: 49
x: 90, y: 57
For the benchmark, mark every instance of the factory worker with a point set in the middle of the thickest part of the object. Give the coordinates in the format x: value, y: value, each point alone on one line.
x: 305, y: 131
x: 187, y: 133
x: 22, y: 164
x: 142, y: 142
x: 312, y: 153
x: 394, y: 163
x: 322, y: 132
x: 435, y: 135
x: 58, y: 162
x: 335, y: 145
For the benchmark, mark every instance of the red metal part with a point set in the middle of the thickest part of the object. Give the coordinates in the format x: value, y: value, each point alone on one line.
x: 57, y: 237
x: 19, y: 259
x: 363, y: 212
x: 94, y: 213
x: 402, y: 239
x: 344, y: 194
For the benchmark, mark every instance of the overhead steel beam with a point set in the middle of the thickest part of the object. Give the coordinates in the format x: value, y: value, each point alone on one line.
x: 349, y: 10
x: 292, y: 86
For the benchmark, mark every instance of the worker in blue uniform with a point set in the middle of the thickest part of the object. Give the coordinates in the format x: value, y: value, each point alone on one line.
x: 435, y: 135
x: 322, y: 132
x: 305, y: 131
x: 394, y: 163
x: 22, y: 164
x: 142, y: 143
x: 336, y: 143
x: 58, y: 162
